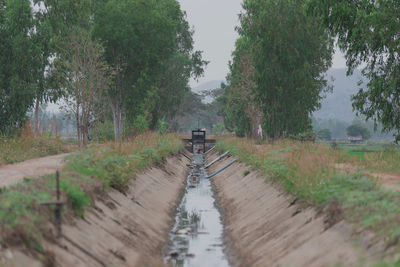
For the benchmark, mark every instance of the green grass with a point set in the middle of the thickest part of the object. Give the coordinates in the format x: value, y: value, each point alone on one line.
x: 372, y: 157
x: 24, y: 222
x: 307, y: 171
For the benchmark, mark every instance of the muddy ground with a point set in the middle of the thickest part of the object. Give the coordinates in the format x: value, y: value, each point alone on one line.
x: 265, y: 227
x: 121, y: 229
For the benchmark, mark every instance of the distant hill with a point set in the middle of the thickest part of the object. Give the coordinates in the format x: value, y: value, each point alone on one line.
x: 337, y: 105
x: 207, y: 86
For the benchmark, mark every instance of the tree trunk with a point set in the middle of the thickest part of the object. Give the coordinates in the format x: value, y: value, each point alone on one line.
x: 78, y: 127
x: 117, y: 118
x: 36, y: 130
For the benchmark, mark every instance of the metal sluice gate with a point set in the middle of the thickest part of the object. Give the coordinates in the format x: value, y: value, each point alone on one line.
x: 198, y: 144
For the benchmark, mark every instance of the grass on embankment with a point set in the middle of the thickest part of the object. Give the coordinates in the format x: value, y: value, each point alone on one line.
x: 88, y: 173
x: 26, y: 146
x: 308, y: 172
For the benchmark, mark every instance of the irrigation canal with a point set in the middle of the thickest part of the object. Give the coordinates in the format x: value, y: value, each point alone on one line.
x: 197, y: 236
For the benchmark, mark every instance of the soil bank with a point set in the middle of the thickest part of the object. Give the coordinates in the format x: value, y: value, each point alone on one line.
x: 120, y: 229
x: 265, y: 227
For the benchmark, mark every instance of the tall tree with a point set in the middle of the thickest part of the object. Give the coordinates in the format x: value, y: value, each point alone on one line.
x: 86, y: 77
x: 53, y: 21
x: 291, y: 52
x: 16, y: 63
x: 242, y: 111
x: 41, y: 40
x: 368, y: 32
x: 144, y: 42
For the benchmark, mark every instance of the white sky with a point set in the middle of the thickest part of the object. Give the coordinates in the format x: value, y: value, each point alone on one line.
x: 214, y: 22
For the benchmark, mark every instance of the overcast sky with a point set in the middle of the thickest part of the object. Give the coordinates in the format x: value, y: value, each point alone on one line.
x: 214, y: 23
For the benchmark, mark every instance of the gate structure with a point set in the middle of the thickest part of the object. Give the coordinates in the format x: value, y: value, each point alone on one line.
x: 199, y: 138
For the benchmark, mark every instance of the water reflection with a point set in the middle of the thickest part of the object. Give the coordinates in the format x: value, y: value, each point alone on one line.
x: 197, y: 234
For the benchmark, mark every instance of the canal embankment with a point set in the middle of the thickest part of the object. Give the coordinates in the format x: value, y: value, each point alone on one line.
x: 266, y: 227
x: 127, y: 228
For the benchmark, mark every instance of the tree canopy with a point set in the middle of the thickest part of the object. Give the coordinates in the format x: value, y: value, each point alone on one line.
x: 367, y: 32
x: 17, y: 63
x: 150, y: 46
x: 356, y: 129
x: 289, y: 53
x: 148, y: 53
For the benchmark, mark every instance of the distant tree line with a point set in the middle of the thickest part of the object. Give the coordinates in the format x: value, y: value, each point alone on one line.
x: 109, y: 60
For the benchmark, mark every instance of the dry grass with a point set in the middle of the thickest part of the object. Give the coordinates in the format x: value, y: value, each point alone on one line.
x: 26, y: 146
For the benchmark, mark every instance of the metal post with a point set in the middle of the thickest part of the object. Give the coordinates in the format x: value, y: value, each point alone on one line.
x: 58, y: 204
x: 58, y: 207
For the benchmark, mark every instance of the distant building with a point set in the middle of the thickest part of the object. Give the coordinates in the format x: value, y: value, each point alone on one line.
x: 355, y: 139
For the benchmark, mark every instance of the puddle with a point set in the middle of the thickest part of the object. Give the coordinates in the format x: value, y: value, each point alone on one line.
x: 197, y: 235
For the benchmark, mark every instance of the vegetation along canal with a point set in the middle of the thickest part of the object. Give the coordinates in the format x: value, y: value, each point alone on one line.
x: 197, y: 234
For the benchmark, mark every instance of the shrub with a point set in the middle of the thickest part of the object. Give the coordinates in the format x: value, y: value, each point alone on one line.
x: 162, y: 126
x: 140, y: 125
x: 324, y: 134
x: 218, y: 128
x: 103, y: 131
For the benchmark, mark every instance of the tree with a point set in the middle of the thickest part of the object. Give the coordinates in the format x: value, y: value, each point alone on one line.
x: 16, y: 63
x: 86, y: 77
x: 368, y: 33
x: 324, y: 134
x: 290, y: 53
x: 53, y: 21
x: 242, y: 112
x: 356, y: 129
x: 148, y: 44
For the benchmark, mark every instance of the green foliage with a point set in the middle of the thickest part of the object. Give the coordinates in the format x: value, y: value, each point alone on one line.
x: 150, y: 47
x: 358, y: 130
x: 102, y: 131
x: 140, y: 125
x: 195, y: 114
x: 290, y: 53
x: 367, y: 32
x: 218, y: 128
x: 162, y: 126
x: 324, y: 134
x: 79, y: 200
x: 308, y: 136
x: 17, y: 53
x: 241, y: 109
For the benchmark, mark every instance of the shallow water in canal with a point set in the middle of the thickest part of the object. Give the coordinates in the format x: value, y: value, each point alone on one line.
x: 197, y: 237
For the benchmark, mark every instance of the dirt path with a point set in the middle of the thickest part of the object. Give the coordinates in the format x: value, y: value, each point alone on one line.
x: 14, y: 173
x: 266, y: 228
x: 128, y: 229
x: 388, y: 180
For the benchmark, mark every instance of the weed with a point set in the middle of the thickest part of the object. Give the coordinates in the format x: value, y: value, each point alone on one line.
x: 246, y: 172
